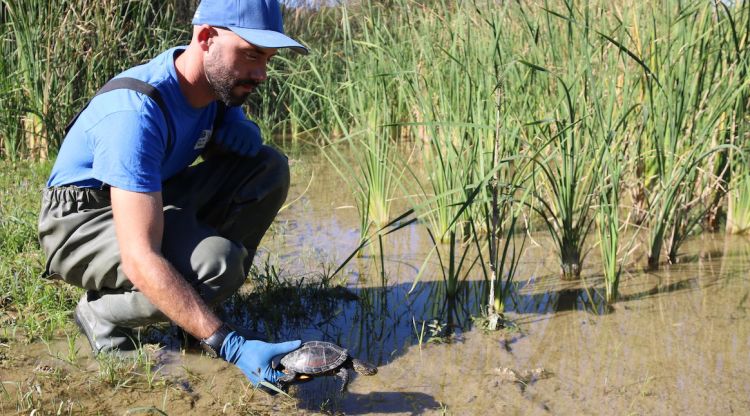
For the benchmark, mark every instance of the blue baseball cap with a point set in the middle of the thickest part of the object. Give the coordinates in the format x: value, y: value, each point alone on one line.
x: 256, y: 21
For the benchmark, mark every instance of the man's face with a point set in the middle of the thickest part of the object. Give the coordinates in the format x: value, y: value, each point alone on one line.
x: 234, y: 67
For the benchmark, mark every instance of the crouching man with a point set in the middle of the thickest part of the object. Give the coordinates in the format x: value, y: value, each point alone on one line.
x: 150, y: 237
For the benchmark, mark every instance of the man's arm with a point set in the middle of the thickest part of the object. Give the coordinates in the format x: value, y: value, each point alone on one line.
x: 139, y: 224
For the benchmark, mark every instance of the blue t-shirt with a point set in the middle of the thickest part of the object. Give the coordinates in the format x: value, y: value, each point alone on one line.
x: 120, y: 139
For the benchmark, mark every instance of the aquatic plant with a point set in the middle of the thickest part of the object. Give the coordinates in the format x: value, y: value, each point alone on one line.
x: 736, y: 126
x: 501, y: 214
x: 688, y: 90
x: 564, y: 183
x: 55, y: 66
x: 738, y: 206
x: 608, y: 222
x: 36, y: 307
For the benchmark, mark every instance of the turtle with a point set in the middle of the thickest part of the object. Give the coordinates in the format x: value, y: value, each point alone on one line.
x: 320, y: 358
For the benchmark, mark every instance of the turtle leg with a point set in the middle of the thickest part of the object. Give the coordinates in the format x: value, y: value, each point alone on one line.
x: 287, y: 379
x: 343, y: 374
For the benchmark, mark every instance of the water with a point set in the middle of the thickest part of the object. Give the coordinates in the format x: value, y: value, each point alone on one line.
x: 677, y: 342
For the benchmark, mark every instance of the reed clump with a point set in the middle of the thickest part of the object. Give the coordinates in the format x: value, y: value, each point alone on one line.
x: 56, y: 55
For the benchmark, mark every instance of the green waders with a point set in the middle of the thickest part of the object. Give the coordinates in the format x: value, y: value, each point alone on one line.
x: 215, y: 214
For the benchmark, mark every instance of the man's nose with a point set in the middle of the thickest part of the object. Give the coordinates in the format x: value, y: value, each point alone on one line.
x: 259, y: 73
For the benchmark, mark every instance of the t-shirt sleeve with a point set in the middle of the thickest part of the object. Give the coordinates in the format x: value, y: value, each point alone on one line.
x: 128, y: 148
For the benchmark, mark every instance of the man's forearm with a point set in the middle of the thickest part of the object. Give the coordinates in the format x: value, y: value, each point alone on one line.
x: 139, y: 224
x: 155, y: 277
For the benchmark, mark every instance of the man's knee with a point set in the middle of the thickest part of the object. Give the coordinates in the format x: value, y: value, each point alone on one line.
x: 221, y: 267
x: 277, y: 166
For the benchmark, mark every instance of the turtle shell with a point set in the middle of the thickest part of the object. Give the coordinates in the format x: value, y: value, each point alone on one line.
x: 315, y: 357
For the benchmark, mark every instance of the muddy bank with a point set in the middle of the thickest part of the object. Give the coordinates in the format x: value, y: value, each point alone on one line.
x: 678, y: 343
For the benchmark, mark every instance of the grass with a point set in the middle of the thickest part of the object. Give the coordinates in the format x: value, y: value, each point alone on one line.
x: 609, y: 223
x: 278, y: 299
x: 52, y: 66
x: 738, y: 215
x: 691, y: 87
x: 33, y: 308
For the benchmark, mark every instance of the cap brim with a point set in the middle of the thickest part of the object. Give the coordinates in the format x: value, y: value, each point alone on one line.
x: 269, y: 39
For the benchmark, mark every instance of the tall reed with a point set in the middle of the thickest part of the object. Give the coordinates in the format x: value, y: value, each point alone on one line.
x: 738, y: 206
x: 58, y: 54
x: 687, y: 92
x: 608, y: 221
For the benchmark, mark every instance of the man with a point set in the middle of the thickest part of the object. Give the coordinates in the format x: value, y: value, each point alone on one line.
x: 150, y: 237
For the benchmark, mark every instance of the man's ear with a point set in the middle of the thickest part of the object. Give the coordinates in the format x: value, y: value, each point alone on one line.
x: 205, y: 35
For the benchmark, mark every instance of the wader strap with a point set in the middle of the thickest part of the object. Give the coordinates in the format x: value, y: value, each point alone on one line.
x: 139, y: 86
x: 221, y: 111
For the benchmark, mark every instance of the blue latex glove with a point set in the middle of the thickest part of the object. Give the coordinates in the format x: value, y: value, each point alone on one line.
x: 254, y: 357
x: 241, y: 137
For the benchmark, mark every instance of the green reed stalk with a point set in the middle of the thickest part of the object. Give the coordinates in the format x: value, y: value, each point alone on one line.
x: 58, y: 54
x: 453, y: 118
x: 738, y: 215
x: 568, y: 128
x: 566, y: 183
x: 608, y: 218
x: 499, y: 207
x: 10, y: 128
x: 738, y: 205
x: 365, y: 162
x: 688, y: 91
x: 29, y: 22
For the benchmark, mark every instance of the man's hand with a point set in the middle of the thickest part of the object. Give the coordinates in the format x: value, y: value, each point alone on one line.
x: 241, y: 137
x: 254, y: 357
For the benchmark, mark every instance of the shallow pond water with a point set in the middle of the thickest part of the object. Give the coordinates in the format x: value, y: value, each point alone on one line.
x: 678, y: 341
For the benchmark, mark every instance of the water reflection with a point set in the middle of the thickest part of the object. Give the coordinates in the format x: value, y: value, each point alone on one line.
x: 379, y: 323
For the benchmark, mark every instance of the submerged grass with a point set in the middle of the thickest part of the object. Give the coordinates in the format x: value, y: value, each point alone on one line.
x: 278, y: 299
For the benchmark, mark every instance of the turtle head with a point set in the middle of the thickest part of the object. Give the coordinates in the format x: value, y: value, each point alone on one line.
x: 366, y: 369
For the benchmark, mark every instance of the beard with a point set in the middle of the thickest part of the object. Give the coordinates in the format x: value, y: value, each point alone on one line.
x: 223, y: 82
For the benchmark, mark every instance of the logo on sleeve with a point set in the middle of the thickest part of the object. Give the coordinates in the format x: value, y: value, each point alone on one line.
x: 203, y: 139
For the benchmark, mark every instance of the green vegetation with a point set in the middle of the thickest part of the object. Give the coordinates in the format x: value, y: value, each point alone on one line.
x: 617, y: 128
x: 30, y: 307
x: 488, y: 119
x: 55, y: 56
x: 597, y: 100
x: 662, y: 86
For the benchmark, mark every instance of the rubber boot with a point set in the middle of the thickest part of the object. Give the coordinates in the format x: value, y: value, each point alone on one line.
x: 108, y: 320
